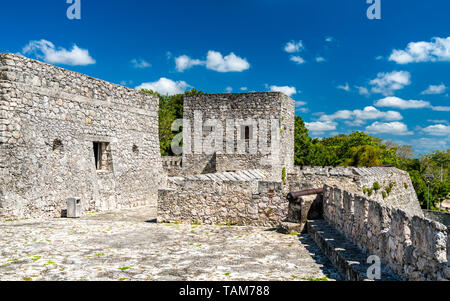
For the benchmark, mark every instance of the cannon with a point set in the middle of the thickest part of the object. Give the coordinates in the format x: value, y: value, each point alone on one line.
x: 292, y: 196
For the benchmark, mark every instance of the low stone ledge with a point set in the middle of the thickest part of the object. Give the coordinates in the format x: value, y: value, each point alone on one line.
x: 290, y: 228
x: 350, y: 261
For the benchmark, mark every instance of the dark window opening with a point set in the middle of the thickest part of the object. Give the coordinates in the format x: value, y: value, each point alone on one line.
x: 57, y: 145
x: 102, y: 156
x: 247, y: 133
x: 135, y: 149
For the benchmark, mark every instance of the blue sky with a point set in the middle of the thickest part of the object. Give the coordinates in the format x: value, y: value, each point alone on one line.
x: 388, y: 77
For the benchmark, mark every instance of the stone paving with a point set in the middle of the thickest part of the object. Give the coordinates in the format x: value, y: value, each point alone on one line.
x: 127, y: 244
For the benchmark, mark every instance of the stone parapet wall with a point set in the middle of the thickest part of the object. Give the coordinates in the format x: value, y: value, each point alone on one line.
x: 240, y: 202
x: 172, y: 165
x: 49, y: 120
x: 395, y: 190
x: 414, y: 247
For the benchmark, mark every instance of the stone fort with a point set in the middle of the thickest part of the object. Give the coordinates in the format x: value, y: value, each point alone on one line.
x: 67, y: 135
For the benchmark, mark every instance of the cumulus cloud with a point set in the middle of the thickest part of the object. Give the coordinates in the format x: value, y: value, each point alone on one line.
x: 140, y: 64
x: 289, y: 91
x: 393, y: 128
x: 47, y: 51
x: 229, y: 89
x: 359, y: 117
x: 293, y: 46
x: 436, y: 50
x: 396, y: 102
x: 230, y: 63
x: 437, y: 130
x: 165, y: 86
x: 387, y: 83
x: 184, y: 62
x: 319, y: 127
x: 435, y: 89
x: 214, y: 61
x: 297, y: 59
x: 329, y: 39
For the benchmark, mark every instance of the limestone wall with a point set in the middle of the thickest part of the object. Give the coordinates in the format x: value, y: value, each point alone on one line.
x: 241, y: 109
x: 414, y: 247
x: 49, y: 120
x: 213, y: 199
x: 396, y: 188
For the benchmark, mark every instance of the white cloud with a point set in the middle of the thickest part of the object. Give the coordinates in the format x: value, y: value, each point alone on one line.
x: 299, y: 103
x: 320, y: 59
x: 244, y: 88
x: 387, y: 83
x: 297, y: 59
x: 140, y: 64
x: 329, y: 39
x: 362, y: 90
x: 345, y: 88
x: 426, y: 145
x: 47, y: 51
x: 293, y: 46
x: 441, y: 109
x: 318, y: 127
x: 393, y: 128
x: 214, y: 61
x: 359, y: 117
x: 229, y: 89
x: 184, y: 62
x: 396, y: 102
x: 436, y: 50
x: 378, y: 58
x: 230, y: 63
x: 435, y: 89
x: 289, y: 91
x: 437, y: 130
x: 165, y: 86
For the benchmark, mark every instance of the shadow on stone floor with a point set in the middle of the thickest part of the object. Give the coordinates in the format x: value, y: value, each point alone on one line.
x: 325, y: 264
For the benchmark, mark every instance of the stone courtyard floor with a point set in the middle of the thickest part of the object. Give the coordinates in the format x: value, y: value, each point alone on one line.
x: 128, y: 245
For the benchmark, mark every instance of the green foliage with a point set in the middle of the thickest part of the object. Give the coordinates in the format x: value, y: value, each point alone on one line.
x: 170, y: 109
x: 383, y: 193
x: 376, y: 186
x: 283, y: 175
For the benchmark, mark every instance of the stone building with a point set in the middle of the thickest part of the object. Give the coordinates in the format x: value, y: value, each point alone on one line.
x: 230, y: 132
x: 64, y: 134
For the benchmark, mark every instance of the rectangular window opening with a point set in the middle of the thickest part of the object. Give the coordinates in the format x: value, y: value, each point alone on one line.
x: 102, y: 156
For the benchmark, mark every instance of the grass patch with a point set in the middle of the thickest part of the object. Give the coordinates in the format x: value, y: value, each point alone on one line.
x: 315, y: 279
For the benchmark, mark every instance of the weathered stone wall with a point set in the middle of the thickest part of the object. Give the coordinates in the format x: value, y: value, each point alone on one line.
x: 396, y: 188
x: 414, y: 247
x: 172, y: 165
x: 49, y: 119
x: 243, y: 109
x: 223, y: 198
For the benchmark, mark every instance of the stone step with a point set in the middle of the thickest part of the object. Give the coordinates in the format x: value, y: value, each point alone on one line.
x: 350, y: 261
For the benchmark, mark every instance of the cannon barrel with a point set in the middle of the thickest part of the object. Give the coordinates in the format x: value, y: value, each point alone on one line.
x: 295, y: 195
